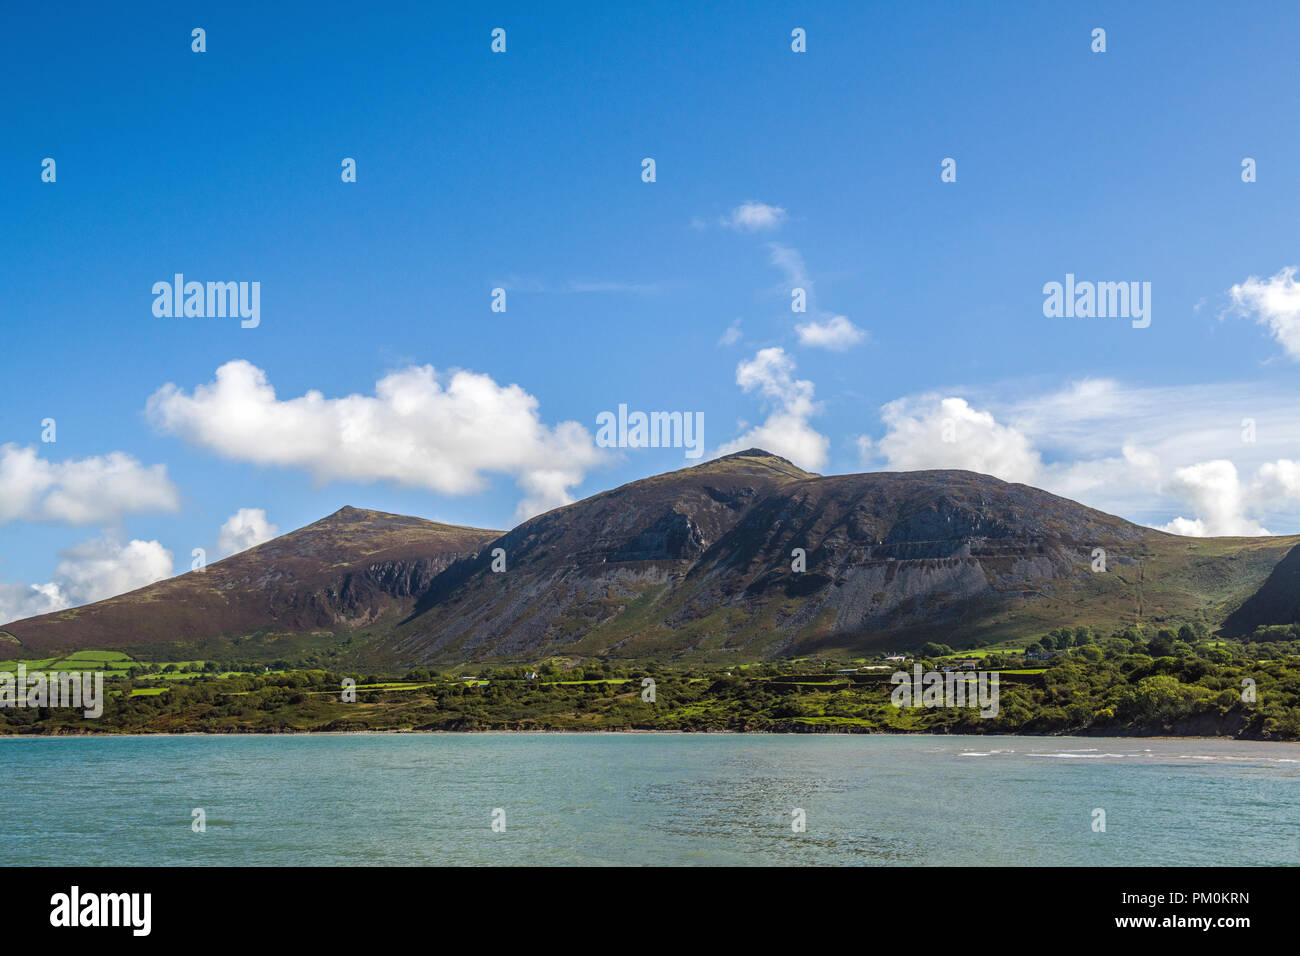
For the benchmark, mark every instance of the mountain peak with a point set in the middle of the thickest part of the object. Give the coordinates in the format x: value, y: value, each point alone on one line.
x: 349, y: 513
x: 348, y: 516
x: 763, y: 457
x: 753, y: 453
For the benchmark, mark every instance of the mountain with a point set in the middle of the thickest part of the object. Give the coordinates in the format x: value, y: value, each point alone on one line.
x: 1276, y: 602
x: 585, y: 563
x: 698, y: 564
x: 351, y: 569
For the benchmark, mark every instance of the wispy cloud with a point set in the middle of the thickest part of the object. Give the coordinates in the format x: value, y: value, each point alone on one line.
x: 822, y: 330
x: 750, y: 216
x: 791, y: 263
x: 787, y: 431
x: 755, y: 216
x: 732, y: 335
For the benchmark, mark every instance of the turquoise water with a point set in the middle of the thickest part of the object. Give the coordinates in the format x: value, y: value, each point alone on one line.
x: 638, y: 799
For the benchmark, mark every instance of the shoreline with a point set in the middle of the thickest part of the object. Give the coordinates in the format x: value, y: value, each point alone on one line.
x: 665, y: 733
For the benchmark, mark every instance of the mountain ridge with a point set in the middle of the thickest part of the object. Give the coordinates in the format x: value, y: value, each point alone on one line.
x: 348, y: 569
x: 745, y: 556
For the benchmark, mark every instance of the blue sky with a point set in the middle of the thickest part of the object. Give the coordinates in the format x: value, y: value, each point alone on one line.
x: 522, y: 171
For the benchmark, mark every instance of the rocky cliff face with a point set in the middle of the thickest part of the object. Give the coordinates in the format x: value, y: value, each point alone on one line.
x: 579, y: 567
x: 701, y: 561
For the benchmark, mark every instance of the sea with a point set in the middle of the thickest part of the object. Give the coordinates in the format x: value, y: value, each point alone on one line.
x: 647, y: 799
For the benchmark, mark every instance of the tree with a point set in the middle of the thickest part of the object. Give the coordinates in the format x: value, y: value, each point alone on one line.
x: 1162, y: 645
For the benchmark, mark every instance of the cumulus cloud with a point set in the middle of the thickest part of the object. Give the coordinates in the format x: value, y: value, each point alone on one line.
x: 787, y: 431
x: 246, y: 528
x: 754, y: 216
x: 18, y: 600
x: 934, y: 433
x: 443, y: 431
x: 1275, y: 303
x: 837, y: 334
x: 1279, y: 479
x: 1225, y: 503
x: 1215, y: 492
x: 94, y: 570
x: 1118, y: 448
x: 102, y: 488
x: 87, y: 572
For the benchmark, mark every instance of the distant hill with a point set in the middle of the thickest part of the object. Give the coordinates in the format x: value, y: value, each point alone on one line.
x: 346, y: 571
x: 696, y: 564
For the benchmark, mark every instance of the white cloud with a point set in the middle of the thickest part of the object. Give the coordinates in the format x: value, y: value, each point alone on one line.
x: 836, y: 334
x: 18, y: 600
x: 754, y: 216
x: 1187, y: 527
x: 94, y: 570
x: 246, y: 528
x: 1226, y: 503
x: 1275, y: 303
x: 1136, y: 469
x: 1279, y: 479
x: 935, y: 433
x: 87, y: 572
x: 1216, y: 496
x: 446, y: 432
x: 1126, y: 450
x: 786, y: 432
x: 80, y: 491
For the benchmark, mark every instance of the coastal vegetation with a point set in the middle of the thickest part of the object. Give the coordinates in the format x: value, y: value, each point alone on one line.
x: 1139, y: 681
